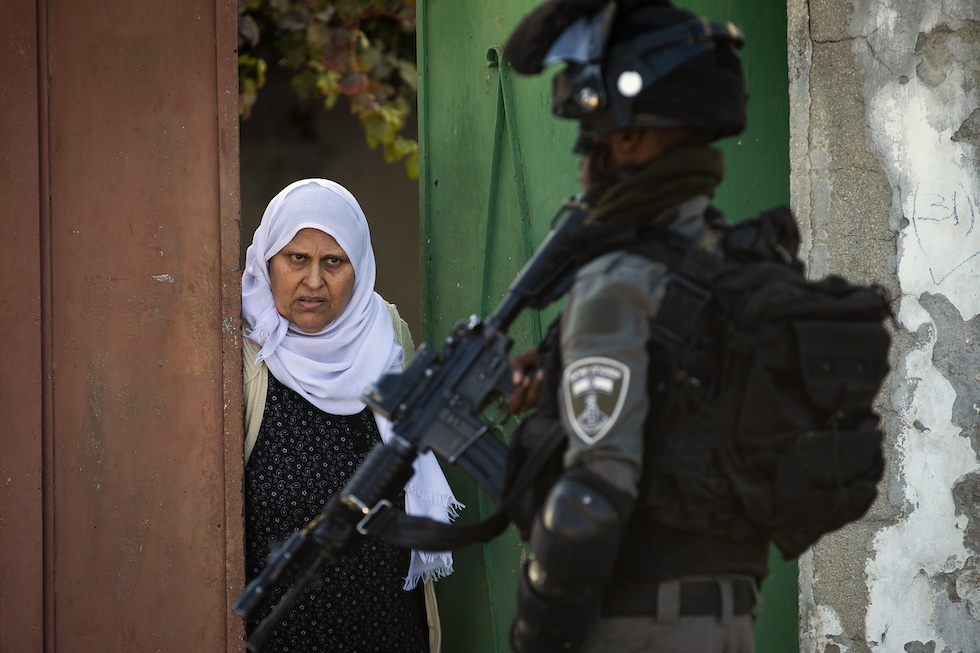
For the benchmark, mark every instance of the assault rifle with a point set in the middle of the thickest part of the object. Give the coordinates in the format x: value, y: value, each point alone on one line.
x: 434, y: 404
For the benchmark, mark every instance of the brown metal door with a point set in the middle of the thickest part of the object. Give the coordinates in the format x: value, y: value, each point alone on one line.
x: 21, y: 525
x: 120, y: 376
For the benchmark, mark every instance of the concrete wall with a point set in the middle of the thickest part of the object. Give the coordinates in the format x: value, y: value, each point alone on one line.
x: 884, y: 147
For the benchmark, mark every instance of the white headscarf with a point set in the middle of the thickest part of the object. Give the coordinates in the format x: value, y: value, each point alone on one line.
x: 331, y: 368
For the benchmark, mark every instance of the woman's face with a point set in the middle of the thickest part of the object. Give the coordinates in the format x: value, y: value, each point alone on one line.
x: 312, y: 280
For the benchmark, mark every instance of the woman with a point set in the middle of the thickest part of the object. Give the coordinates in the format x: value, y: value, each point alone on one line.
x: 316, y: 335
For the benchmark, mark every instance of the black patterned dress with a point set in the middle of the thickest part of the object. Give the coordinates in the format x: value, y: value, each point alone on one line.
x: 302, y: 456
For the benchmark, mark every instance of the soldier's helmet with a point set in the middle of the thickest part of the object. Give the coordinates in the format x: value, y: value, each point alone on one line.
x: 634, y: 64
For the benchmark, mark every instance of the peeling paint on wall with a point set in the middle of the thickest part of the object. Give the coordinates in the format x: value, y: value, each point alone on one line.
x: 906, y: 598
x: 920, y: 63
x: 922, y: 73
x: 921, y: 90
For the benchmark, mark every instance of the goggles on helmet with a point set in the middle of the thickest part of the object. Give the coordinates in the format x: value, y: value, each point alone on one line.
x: 599, y: 84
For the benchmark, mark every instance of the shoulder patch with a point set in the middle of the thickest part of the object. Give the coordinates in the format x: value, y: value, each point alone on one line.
x: 595, y: 390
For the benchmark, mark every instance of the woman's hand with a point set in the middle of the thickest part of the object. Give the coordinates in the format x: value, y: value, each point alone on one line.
x: 526, y: 373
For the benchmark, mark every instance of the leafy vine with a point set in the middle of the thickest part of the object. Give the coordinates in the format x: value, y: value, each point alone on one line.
x: 363, y: 50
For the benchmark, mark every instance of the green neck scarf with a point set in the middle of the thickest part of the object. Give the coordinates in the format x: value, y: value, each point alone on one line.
x: 665, y: 182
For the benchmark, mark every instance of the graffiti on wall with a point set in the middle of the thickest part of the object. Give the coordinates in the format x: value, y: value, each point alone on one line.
x: 943, y: 217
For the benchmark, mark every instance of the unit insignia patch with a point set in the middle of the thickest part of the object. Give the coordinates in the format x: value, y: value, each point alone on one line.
x: 595, y: 389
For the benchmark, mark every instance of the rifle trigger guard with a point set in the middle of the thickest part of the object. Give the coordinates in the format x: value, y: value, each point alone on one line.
x: 362, y: 526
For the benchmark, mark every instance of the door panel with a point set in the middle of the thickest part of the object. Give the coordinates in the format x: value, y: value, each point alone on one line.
x: 120, y: 505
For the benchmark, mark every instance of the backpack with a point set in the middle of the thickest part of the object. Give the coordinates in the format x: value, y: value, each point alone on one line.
x: 765, y: 422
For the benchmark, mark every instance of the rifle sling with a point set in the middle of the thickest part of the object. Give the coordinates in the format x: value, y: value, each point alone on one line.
x: 425, y: 534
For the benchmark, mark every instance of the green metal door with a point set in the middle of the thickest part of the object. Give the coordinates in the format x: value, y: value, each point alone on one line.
x: 495, y: 167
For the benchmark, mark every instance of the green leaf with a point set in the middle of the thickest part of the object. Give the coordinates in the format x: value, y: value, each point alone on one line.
x: 328, y: 84
x: 412, y: 165
x: 305, y: 83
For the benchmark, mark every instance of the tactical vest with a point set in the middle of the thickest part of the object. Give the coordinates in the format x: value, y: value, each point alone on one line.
x: 651, y: 552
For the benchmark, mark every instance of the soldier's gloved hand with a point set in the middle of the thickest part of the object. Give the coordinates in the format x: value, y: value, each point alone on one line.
x: 526, y: 374
x: 548, y: 624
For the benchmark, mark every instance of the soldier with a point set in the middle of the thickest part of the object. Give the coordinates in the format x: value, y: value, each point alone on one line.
x: 651, y: 86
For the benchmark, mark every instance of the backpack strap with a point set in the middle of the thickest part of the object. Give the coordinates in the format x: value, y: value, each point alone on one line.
x: 402, y: 333
x: 693, y: 266
x: 256, y: 379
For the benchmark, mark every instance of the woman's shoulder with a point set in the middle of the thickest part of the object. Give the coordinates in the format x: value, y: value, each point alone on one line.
x: 250, y: 350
